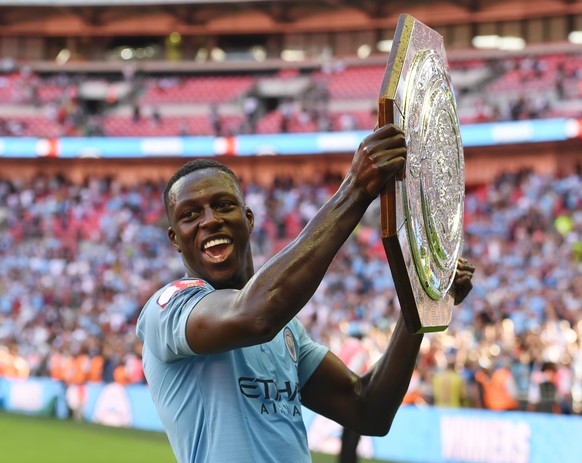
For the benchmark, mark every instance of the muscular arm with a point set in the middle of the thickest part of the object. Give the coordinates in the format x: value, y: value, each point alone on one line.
x: 227, y: 319
x: 367, y: 404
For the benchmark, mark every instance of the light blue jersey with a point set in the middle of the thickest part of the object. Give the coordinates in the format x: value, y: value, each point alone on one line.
x: 241, y: 406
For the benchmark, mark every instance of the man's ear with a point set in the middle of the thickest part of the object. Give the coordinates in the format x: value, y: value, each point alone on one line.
x: 172, y: 237
x: 250, y: 218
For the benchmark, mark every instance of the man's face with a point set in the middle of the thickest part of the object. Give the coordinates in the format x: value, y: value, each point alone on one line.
x: 210, y: 225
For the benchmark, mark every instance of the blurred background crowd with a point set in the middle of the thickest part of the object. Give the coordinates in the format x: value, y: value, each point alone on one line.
x: 333, y: 97
x: 80, y: 259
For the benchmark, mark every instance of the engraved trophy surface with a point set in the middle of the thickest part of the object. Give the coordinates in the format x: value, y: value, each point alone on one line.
x: 422, y: 216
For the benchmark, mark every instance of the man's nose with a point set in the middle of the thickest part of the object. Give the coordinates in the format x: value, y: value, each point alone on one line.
x: 210, y: 218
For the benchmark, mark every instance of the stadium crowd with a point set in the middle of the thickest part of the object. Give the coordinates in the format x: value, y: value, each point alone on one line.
x: 334, y: 98
x: 78, y: 261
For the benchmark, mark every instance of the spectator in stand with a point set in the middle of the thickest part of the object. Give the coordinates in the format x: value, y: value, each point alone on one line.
x: 156, y: 116
x: 184, y: 131
x: 348, y: 122
x: 543, y: 394
x: 499, y: 388
x: 286, y: 109
x: 250, y: 109
x: 136, y: 113
x: 215, y: 120
x: 12, y: 364
x: 414, y: 394
x: 449, y: 387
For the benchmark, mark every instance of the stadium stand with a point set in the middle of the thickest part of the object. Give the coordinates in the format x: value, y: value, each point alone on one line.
x: 79, y: 260
x: 340, y: 98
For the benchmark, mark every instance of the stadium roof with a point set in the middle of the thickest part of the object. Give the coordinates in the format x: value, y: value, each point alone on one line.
x: 468, y: 4
x: 117, y: 2
x: 214, y: 17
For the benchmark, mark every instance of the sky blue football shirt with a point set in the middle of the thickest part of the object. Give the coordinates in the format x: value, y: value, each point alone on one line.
x: 241, y: 406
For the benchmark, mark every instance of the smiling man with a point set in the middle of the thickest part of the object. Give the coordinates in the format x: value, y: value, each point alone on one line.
x: 228, y: 364
x: 220, y: 250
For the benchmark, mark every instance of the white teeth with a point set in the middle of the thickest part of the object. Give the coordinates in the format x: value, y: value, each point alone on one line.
x: 216, y: 242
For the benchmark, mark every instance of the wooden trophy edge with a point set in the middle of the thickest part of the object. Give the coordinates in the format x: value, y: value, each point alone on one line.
x: 389, y: 226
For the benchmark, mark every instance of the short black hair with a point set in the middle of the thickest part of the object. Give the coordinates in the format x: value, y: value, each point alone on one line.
x: 192, y: 166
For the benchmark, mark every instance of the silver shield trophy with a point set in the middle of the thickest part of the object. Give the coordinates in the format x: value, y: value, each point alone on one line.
x: 422, y: 216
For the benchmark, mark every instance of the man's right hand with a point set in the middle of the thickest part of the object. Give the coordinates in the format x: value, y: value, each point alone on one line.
x: 381, y: 155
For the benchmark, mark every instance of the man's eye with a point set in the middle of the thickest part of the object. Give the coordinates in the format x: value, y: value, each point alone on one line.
x: 224, y: 205
x: 190, y: 214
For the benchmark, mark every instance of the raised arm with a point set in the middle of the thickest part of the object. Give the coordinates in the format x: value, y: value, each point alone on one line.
x: 368, y: 403
x: 227, y: 319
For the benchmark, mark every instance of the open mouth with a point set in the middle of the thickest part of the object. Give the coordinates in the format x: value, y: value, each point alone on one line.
x: 218, y: 249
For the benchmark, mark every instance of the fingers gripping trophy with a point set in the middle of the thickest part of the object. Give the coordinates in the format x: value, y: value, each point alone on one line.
x: 422, y: 215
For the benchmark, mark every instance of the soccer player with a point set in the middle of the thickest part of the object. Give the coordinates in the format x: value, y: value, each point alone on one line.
x: 228, y: 364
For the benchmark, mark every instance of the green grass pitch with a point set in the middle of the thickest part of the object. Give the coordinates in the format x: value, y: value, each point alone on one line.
x: 28, y: 439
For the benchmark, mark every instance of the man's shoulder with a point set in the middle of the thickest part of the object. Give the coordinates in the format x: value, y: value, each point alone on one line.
x: 170, y: 301
x: 172, y: 292
x: 164, y: 295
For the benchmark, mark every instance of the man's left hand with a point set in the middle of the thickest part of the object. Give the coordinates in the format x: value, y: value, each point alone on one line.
x: 462, y: 285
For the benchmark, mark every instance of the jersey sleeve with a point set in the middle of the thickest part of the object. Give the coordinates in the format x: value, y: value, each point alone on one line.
x: 310, y: 353
x: 162, y: 324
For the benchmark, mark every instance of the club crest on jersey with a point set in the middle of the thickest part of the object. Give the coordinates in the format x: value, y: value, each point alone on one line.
x: 290, y: 343
x: 175, y: 288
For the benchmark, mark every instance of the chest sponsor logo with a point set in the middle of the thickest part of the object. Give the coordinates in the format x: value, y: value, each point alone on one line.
x: 270, y: 397
x: 174, y: 289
